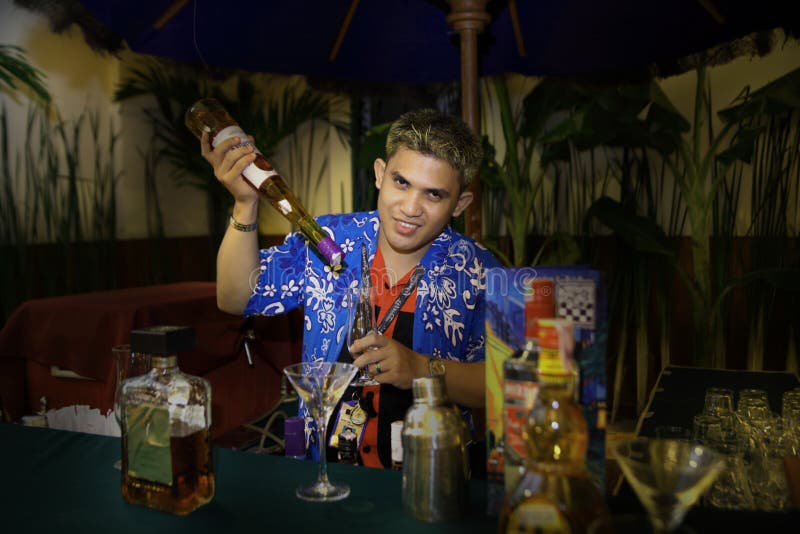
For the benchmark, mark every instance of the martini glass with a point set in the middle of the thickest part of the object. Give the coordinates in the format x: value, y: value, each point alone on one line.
x: 320, y: 385
x: 668, y: 476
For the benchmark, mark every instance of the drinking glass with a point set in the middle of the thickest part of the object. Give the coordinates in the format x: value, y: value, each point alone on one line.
x: 668, y: 476
x: 127, y: 364
x: 320, y: 386
x: 361, y: 322
x: 718, y: 401
x: 707, y: 428
x: 790, y: 414
x: 753, y: 393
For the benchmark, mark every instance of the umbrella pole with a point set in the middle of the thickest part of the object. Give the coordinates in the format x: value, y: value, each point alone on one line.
x: 468, y: 17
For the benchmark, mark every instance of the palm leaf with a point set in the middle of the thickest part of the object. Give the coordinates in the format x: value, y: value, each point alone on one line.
x: 16, y: 72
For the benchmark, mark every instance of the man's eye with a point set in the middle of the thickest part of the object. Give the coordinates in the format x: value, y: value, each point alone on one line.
x: 401, y: 182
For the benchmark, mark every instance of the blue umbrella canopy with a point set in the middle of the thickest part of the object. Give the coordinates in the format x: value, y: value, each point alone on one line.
x: 411, y: 41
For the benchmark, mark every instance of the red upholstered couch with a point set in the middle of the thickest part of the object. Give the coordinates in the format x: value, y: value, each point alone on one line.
x: 76, y: 333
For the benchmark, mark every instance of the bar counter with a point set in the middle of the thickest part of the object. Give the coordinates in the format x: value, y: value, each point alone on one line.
x: 58, y: 481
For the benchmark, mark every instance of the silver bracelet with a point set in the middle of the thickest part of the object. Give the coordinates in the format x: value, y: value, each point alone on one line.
x: 243, y: 227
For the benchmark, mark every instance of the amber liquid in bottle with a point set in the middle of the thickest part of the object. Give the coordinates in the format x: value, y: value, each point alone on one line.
x: 192, y: 476
x: 555, y: 493
x: 166, y: 447
x: 520, y: 381
x: 208, y: 115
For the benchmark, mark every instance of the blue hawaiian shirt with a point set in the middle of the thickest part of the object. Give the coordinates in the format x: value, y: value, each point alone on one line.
x: 449, y: 315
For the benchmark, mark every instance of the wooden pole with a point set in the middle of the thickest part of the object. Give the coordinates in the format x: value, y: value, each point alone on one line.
x: 169, y: 13
x: 468, y: 18
x: 343, y: 30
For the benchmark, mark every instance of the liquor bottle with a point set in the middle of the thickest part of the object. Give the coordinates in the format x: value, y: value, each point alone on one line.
x: 555, y: 492
x: 208, y: 115
x: 348, y: 448
x: 165, y: 421
x: 294, y: 437
x: 520, y: 383
x: 396, y: 441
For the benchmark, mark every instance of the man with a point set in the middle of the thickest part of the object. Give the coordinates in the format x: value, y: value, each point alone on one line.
x: 430, y: 159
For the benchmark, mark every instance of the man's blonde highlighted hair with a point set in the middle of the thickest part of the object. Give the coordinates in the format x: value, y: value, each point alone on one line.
x: 442, y: 136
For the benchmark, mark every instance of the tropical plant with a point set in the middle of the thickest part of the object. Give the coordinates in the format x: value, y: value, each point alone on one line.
x: 707, y: 193
x: 16, y: 73
x: 612, y: 128
x: 53, y: 201
x: 767, y: 126
x: 516, y: 189
x: 269, y: 116
x: 702, y: 170
x: 374, y: 146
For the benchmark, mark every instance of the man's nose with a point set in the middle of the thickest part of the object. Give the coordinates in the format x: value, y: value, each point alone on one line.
x: 411, y: 205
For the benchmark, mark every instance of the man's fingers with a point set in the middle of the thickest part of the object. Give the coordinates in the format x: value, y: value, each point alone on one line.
x: 242, y: 162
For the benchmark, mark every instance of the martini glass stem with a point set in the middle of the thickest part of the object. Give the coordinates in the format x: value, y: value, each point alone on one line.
x: 322, y: 425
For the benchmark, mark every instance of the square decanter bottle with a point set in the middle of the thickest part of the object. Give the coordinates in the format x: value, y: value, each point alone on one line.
x: 166, y: 420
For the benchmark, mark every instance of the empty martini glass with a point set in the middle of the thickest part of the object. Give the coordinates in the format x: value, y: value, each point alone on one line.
x: 668, y: 476
x: 320, y: 385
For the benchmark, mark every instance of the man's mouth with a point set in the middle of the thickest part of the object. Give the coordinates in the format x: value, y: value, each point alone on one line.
x: 404, y: 227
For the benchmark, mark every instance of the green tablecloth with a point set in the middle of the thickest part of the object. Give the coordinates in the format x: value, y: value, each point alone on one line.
x: 65, y: 481
x: 56, y: 481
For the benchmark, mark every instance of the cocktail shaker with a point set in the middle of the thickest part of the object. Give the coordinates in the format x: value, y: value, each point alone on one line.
x: 435, y: 463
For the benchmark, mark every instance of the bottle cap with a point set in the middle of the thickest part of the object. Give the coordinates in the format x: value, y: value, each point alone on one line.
x: 163, y: 340
x: 330, y: 250
x: 539, y: 304
x: 294, y: 434
x: 347, y: 441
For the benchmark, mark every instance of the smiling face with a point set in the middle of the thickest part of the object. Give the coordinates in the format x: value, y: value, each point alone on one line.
x: 418, y: 194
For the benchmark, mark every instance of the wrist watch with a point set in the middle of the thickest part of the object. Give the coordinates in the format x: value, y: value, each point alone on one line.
x: 436, y: 367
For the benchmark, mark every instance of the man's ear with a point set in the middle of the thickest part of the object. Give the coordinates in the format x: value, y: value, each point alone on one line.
x: 380, y: 168
x: 464, y: 200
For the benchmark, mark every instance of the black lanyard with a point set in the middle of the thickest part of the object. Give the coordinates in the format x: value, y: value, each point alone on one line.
x: 394, y: 309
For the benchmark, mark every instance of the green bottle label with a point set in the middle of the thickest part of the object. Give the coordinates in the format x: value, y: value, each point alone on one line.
x: 149, y: 451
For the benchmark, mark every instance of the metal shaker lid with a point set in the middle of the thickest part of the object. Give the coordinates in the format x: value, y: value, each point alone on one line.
x: 429, y: 390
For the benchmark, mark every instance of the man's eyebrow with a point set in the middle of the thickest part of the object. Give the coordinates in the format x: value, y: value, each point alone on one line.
x: 444, y: 193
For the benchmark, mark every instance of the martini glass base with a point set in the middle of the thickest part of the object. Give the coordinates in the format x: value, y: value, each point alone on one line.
x: 323, y: 492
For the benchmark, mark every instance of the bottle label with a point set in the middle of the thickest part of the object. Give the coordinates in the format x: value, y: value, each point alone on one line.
x: 254, y: 174
x: 396, y: 440
x: 148, y: 443
x: 518, y: 399
x: 556, y: 346
x: 348, y: 418
x: 538, y: 514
